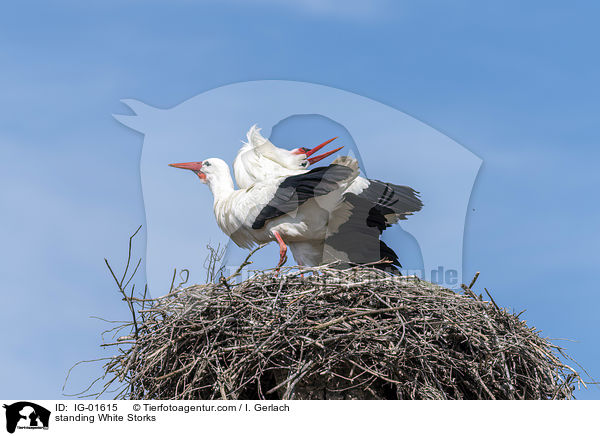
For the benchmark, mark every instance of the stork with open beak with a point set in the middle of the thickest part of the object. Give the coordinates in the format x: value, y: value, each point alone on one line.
x: 259, y: 159
x: 292, y: 210
x: 369, y: 207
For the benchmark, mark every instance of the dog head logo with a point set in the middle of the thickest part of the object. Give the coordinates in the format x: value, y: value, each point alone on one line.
x: 26, y: 415
x: 388, y: 144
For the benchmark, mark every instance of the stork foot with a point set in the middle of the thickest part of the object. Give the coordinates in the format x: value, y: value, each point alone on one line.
x: 282, y: 259
x: 282, y: 251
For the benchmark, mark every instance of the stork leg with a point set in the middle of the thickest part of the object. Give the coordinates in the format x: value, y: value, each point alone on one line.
x: 282, y: 250
x: 301, y: 267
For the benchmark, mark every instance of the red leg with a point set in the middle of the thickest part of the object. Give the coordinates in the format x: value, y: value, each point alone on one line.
x: 282, y: 250
x: 301, y: 267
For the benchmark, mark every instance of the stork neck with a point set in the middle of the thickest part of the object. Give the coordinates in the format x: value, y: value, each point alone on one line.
x: 221, y: 186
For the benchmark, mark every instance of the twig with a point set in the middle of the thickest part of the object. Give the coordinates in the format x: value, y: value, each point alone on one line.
x: 245, y: 263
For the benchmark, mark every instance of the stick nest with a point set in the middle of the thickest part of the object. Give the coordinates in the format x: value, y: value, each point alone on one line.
x: 334, y: 334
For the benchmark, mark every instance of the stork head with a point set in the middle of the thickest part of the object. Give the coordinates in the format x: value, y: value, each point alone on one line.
x: 207, y: 170
x: 305, y: 153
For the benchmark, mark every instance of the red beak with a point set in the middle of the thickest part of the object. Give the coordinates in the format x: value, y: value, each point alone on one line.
x: 315, y: 159
x: 312, y: 151
x: 194, y: 166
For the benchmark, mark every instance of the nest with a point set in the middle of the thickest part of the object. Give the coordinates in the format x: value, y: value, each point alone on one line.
x: 325, y: 333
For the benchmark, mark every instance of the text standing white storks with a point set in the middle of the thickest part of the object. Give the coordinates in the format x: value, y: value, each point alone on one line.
x: 293, y: 210
x: 369, y: 207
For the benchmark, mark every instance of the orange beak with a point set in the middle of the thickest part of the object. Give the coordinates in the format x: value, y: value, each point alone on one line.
x: 194, y: 166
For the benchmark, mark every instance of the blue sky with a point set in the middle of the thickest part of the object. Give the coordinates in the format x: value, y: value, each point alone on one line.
x: 514, y: 82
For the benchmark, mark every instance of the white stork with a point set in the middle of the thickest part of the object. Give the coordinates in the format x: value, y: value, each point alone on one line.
x: 260, y: 160
x: 369, y: 207
x: 292, y: 210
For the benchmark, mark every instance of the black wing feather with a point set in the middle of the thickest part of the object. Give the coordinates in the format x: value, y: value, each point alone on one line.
x: 370, y: 212
x: 296, y: 190
x: 388, y: 198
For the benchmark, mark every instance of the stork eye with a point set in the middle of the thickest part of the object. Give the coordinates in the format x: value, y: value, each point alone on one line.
x: 304, y: 164
x: 206, y: 164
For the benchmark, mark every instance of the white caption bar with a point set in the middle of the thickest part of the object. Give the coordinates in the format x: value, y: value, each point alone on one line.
x: 76, y: 417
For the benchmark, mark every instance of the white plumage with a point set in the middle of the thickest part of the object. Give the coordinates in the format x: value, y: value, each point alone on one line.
x: 291, y: 210
x: 260, y: 160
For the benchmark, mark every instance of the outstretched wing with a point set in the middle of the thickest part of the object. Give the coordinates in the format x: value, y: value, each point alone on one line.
x: 390, y: 202
x: 369, y: 207
x: 293, y: 191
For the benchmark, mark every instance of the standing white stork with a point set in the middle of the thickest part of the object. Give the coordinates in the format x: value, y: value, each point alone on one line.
x: 369, y: 207
x: 291, y: 210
